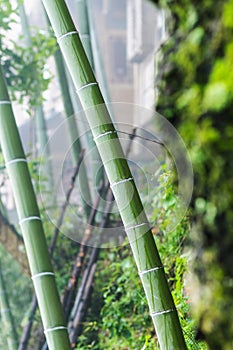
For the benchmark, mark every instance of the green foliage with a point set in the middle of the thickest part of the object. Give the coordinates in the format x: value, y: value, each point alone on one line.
x: 6, y: 17
x: 171, y: 247
x: 196, y: 94
x: 19, y: 289
x: 125, y: 317
x: 25, y: 68
x: 21, y: 64
x: 124, y: 321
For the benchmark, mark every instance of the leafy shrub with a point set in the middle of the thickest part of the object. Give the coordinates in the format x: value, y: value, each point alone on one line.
x: 122, y: 319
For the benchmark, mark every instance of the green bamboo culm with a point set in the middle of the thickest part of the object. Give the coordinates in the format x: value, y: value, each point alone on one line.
x: 3, y: 210
x: 41, y: 128
x: 99, y: 67
x: 84, y: 30
x: 150, y: 268
x: 8, y: 324
x: 72, y: 127
x: 31, y: 226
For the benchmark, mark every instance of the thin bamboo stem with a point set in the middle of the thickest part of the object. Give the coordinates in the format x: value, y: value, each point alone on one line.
x: 73, y: 132
x: 79, y: 305
x: 31, y: 225
x: 41, y: 128
x: 27, y: 329
x: 72, y: 127
x: 69, y: 292
x: 84, y: 30
x: 151, y: 271
x: 99, y: 67
x: 79, y: 308
x: 83, y: 295
x: 3, y: 209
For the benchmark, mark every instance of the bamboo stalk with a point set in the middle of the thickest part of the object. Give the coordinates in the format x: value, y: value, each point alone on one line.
x: 97, y: 171
x: 68, y: 294
x: 72, y: 127
x: 41, y: 129
x: 73, y: 132
x: 151, y: 271
x: 6, y: 315
x: 69, y: 291
x: 79, y: 305
x: 84, y: 30
x: 3, y: 209
x: 99, y: 67
x: 29, y: 218
x: 81, y: 301
x: 65, y: 204
x: 83, y: 298
x: 27, y: 329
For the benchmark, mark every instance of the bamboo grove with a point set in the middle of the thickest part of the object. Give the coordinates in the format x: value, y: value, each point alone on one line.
x: 62, y: 315
x: 151, y: 270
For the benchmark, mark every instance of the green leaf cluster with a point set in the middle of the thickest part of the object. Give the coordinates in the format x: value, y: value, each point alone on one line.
x: 121, y: 317
x: 19, y: 290
x: 25, y: 68
x: 6, y: 17
x: 196, y: 94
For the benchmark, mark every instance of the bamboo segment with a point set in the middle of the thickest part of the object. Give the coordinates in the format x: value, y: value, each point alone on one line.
x: 83, y: 23
x: 73, y: 132
x: 84, y: 30
x: 31, y: 225
x: 27, y: 329
x: 72, y: 127
x: 150, y: 268
x: 99, y: 68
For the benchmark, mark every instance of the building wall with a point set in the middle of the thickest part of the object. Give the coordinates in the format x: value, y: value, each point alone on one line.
x: 129, y: 32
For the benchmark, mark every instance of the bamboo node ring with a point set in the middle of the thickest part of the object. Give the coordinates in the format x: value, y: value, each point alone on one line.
x: 67, y: 34
x: 150, y: 270
x: 29, y: 218
x: 86, y: 85
x: 104, y: 134
x: 137, y: 226
x: 158, y: 313
x: 121, y: 182
x: 5, y: 102
x: 41, y: 274
x: 58, y: 328
x: 17, y: 160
